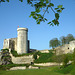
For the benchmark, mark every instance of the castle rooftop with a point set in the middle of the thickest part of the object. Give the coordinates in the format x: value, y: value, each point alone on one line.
x: 26, y: 29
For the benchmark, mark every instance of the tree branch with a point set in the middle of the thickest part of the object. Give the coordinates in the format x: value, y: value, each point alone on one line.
x: 52, y: 9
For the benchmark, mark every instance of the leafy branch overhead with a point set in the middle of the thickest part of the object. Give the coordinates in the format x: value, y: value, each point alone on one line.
x: 41, y: 8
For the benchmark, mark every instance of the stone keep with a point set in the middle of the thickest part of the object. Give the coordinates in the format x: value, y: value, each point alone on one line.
x: 19, y: 44
x: 22, y: 40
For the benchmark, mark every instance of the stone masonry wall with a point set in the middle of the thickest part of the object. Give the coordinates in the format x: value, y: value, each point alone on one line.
x: 22, y: 59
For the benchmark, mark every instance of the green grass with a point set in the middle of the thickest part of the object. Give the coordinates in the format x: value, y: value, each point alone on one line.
x: 44, y: 71
x: 44, y: 57
x: 7, y: 67
x: 14, y: 53
x: 70, y: 69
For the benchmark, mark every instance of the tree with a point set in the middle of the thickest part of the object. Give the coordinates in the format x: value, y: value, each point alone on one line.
x: 54, y: 43
x: 63, y: 40
x: 69, y: 38
x: 43, y: 6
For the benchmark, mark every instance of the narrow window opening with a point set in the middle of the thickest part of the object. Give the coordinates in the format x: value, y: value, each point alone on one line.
x: 68, y: 47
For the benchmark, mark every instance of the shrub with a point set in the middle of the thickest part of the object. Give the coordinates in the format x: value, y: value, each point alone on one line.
x: 6, y: 58
x: 66, y: 60
x: 66, y: 70
x: 74, y: 57
x: 14, y: 53
x: 35, y: 54
x: 44, y: 57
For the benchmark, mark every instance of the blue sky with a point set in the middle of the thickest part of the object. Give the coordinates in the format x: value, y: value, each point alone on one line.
x: 16, y: 13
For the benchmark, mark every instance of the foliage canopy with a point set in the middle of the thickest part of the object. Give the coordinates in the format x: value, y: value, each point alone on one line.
x: 43, y: 6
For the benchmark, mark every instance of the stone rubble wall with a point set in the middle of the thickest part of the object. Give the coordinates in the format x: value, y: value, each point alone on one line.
x: 18, y: 68
x: 31, y: 67
x: 44, y: 51
x: 22, y: 59
x: 66, y: 48
x: 47, y: 64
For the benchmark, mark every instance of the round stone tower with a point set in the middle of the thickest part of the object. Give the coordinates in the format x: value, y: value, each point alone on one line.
x: 22, y: 40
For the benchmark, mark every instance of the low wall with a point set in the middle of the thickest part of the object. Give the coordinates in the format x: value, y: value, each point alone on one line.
x: 47, y: 64
x: 18, y: 68
x: 22, y: 59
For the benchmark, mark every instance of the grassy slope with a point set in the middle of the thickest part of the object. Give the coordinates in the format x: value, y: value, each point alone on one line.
x: 45, y: 71
x: 44, y: 57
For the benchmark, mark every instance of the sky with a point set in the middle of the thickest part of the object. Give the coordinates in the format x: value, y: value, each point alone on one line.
x: 16, y: 13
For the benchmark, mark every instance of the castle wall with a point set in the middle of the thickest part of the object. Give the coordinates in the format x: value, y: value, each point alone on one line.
x: 22, y: 59
x: 6, y: 44
x: 13, y: 44
x: 44, y: 51
x: 72, y: 45
x: 10, y: 43
x: 66, y: 48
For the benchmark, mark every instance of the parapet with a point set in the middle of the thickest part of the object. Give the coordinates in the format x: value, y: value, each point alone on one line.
x: 23, y: 29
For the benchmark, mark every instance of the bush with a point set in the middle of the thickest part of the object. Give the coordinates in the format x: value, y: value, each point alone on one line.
x: 44, y: 57
x: 5, y: 58
x: 35, y: 54
x: 74, y: 57
x: 66, y: 60
x: 14, y: 53
x: 66, y: 70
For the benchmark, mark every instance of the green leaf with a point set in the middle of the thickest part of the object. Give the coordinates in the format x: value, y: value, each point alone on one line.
x: 32, y: 12
x: 59, y: 11
x: 21, y: 0
x: 7, y: 0
x: 57, y: 15
x: 30, y: 15
x: 47, y: 1
x: 56, y: 8
x: 42, y: 0
x: 3, y: 1
x: 60, y: 6
x: 45, y: 19
x: 35, y: 17
x: 38, y: 22
x: 37, y: 10
x: 55, y: 22
x: 49, y: 22
x: 51, y: 4
x: 44, y: 4
x: 28, y: 1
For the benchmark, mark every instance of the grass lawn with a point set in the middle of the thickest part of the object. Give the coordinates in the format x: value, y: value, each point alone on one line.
x: 44, y: 71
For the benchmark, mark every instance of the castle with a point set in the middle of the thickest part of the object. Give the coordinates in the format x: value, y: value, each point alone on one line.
x: 20, y: 44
